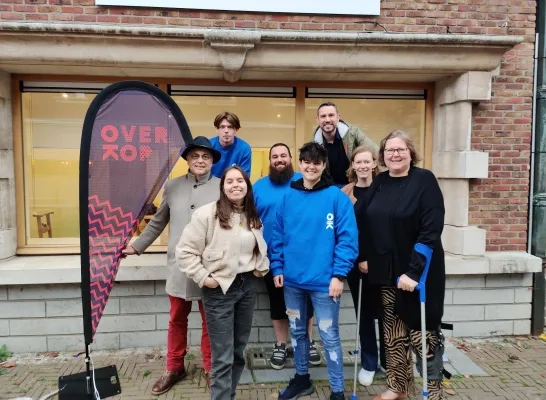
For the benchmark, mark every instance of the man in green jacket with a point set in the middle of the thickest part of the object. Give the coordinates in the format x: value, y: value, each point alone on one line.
x: 340, y: 139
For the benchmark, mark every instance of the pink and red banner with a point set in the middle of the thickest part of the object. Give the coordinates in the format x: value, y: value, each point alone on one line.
x: 133, y: 135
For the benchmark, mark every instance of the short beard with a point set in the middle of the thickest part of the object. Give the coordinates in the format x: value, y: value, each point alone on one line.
x: 280, y: 177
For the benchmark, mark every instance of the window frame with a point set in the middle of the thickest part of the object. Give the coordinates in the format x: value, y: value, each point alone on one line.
x: 302, y: 132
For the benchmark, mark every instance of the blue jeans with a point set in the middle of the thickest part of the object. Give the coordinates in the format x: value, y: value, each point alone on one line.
x: 327, y: 316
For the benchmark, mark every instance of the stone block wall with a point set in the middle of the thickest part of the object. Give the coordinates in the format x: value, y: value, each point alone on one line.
x: 39, y: 318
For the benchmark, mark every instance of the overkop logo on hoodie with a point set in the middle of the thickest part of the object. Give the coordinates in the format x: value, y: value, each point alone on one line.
x: 330, y: 221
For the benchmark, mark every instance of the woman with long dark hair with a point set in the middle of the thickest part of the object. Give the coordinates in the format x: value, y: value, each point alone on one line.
x: 362, y: 171
x: 222, y: 249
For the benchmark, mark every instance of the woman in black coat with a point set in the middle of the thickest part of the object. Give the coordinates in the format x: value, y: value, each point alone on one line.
x: 405, y: 207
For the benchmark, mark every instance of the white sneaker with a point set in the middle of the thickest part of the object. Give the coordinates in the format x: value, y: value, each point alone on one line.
x: 365, y: 378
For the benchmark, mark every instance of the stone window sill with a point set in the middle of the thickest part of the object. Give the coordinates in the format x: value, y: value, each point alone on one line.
x: 31, y: 270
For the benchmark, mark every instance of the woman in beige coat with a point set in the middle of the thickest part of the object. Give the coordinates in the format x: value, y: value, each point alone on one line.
x: 222, y: 249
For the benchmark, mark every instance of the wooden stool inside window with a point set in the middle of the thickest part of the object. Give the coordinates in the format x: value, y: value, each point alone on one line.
x: 43, y: 228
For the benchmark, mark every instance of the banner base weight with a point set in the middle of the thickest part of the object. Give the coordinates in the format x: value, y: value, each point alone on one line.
x: 75, y: 386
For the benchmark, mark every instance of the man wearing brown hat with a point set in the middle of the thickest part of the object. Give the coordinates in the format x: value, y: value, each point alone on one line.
x: 181, y: 197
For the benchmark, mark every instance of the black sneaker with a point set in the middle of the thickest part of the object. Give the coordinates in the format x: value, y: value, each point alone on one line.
x: 301, y: 385
x: 337, y: 396
x: 314, y: 356
x: 278, y: 358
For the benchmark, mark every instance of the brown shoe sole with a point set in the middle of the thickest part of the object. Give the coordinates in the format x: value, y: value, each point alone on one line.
x: 170, y: 387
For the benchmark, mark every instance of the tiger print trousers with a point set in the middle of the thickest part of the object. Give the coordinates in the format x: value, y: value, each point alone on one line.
x: 399, y: 341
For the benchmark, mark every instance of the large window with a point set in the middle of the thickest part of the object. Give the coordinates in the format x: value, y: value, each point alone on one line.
x: 52, y: 116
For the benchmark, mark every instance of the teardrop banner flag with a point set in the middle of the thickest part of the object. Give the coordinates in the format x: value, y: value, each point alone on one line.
x: 133, y: 135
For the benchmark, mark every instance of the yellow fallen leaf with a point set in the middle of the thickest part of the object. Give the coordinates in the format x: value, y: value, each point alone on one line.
x: 447, y: 383
x: 543, y: 336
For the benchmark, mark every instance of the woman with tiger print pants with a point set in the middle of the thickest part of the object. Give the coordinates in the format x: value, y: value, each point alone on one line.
x: 405, y: 207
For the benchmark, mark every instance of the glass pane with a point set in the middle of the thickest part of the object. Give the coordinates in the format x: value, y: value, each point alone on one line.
x: 264, y: 122
x: 52, y: 125
x: 376, y: 117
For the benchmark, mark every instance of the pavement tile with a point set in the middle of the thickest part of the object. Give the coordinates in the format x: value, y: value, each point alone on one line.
x: 508, y: 369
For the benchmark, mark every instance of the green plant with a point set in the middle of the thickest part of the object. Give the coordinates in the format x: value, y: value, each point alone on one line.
x: 190, y: 356
x: 147, y: 373
x: 4, y: 353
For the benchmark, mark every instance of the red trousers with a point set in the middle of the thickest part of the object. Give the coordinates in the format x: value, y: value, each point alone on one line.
x: 177, y: 337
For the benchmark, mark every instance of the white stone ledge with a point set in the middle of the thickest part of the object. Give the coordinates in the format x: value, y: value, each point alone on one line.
x: 460, y: 164
x: 172, y: 52
x: 41, y: 270
x: 257, y: 34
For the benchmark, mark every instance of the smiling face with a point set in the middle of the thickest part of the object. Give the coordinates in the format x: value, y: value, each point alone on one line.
x: 280, y: 158
x: 199, y: 162
x: 363, y: 165
x: 312, y: 171
x: 397, y: 156
x: 235, y: 187
x: 327, y: 119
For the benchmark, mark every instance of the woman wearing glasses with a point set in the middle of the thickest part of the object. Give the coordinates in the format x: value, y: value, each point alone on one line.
x: 405, y: 208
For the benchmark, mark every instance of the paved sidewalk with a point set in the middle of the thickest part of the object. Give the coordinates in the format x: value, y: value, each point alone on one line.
x: 512, y: 368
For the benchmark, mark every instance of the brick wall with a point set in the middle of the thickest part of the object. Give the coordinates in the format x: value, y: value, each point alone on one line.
x: 501, y: 126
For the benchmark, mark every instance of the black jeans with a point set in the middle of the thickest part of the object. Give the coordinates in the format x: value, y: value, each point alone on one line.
x: 229, y: 321
x: 370, y: 309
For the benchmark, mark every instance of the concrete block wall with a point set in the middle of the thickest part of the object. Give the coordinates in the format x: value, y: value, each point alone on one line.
x: 489, y: 305
x: 38, y: 318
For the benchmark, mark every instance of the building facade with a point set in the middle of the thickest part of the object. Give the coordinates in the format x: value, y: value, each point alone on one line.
x: 457, y: 75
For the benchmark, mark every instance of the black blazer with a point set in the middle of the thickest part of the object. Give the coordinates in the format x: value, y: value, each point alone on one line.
x: 417, y: 217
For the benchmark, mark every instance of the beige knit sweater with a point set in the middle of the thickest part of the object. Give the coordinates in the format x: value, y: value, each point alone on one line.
x: 206, y: 249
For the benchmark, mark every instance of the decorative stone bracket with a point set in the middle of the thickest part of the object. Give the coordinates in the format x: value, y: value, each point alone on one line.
x: 453, y: 162
x: 232, y: 47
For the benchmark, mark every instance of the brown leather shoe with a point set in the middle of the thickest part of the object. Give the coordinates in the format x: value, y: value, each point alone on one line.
x: 206, y: 376
x: 167, y: 380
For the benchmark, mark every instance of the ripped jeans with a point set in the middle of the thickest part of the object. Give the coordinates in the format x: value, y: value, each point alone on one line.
x: 327, y: 316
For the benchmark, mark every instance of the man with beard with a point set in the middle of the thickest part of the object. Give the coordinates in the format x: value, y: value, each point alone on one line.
x: 268, y: 192
x: 340, y: 139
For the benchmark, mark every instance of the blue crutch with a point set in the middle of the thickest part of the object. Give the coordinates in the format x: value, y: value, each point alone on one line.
x: 357, y: 352
x: 421, y: 287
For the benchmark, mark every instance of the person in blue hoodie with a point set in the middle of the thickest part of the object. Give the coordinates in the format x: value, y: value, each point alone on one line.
x: 268, y: 192
x: 234, y: 151
x: 314, y: 246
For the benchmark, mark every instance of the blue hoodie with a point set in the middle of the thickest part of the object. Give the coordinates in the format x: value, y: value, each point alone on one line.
x: 239, y: 153
x: 267, y: 196
x: 315, y: 236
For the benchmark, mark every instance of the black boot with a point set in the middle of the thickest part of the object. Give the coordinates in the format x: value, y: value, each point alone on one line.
x: 301, y: 385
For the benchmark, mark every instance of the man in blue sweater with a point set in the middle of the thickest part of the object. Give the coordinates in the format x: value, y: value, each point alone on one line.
x: 314, y: 245
x: 268, y: 193
x: 235, y: 151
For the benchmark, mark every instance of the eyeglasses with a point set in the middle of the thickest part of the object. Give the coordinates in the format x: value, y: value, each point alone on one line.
x: 205, y: 157
x: 390, y: 152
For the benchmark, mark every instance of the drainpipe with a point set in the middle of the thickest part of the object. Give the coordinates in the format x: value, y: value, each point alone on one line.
x: 537, y: 194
